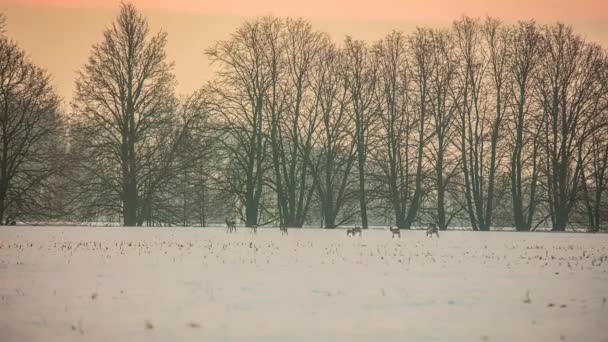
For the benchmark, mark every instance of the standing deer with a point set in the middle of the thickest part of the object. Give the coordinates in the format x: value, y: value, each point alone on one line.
x: 231, y: 226
x: 283, y: 229
x: 396, y: 232
x: 353, y: 231
x: 432, y: 229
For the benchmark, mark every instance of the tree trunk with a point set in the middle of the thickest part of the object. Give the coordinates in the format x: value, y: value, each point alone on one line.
x: 441, y: 219
x: 362, y: 197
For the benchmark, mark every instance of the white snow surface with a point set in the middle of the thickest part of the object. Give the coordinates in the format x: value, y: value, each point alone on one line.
x: 197, y: 284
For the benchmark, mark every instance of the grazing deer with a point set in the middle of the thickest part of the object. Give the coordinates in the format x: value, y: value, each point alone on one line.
x: 396, y: 231
x: 432, y: 229
x: 231, y: 226
x: 283, y: 229
x: 353, y: 231
x: 254, y: 228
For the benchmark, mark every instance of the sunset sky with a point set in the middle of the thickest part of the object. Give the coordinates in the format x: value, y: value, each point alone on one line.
x: 58, y: 34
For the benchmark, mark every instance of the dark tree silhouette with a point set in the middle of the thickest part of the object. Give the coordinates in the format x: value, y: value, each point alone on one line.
x: 483, y: 50
x: 568, y: 88
x: 393, y: 132
x: 292, y: 117
x: 501, y: 122
x: 31, y: 135
x: 422, y: 67
x: 123, y: 108
x: 241, y: 91
x: 360, y: 77
x: 442, y: 109
x: 334, y: 155
x: 526, y: 42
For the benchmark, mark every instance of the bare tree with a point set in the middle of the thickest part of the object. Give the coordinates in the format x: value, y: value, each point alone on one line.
x: 31, y: 141
x: 422, y: 67
x: 243, y: 91
x: 199, y: 159
x: 172, y: 162
x: 124, y: 105
x: 593, y: 151
x: 594, y: 178
x: 292, y: 117
x: 567, y: 88
x: 526, y: 42
x: 334, y: 149
x: 392, y: 133
x: 480, y: 95
x: 400, y: 131
x: 442, y: 109
x: 360, y: 78
x: 499, y: 55
x: 466, y: 94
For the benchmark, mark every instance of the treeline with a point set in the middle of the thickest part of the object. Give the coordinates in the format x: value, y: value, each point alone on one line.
x: 482, y: 125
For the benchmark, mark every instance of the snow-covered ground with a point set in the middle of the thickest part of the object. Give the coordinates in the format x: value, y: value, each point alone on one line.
x: 176, y: 284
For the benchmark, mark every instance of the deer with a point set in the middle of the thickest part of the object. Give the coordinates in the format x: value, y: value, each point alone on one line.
x: 353, y: 231
x: 231, y: 226
x: 283, y: 229
x: 254, y: 228
x: 396, y: 232
x: 432, y: 229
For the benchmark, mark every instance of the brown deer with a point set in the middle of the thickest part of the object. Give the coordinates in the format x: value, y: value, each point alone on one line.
x: 231, y: 226
x: 353, y: 231
x: 396, y: 232
x: 283, y: 229
x: 432, y: 229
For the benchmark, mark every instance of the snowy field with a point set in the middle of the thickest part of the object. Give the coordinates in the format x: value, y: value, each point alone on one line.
x: 176, y: 284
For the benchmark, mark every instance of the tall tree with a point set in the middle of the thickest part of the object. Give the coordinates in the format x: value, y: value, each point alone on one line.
x: 360, y: 77
x: 498, y: 50
x: 442, y: 112
x: 31, y: 140
x: 422, y: 67
x: 123, y: 104
x: 594, y: 177
x: 567, y: 88
x: 400, y: 129
x: 526, y: 42
x: 334, y: 149
x: 171, y: 160
x: 243, y: 91
x: 480, y: 94
x: 293, y: 56
x: 392, y: 146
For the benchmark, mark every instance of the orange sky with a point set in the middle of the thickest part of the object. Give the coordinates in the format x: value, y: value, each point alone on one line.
x: 58, y: 34
x: 376, y: 9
